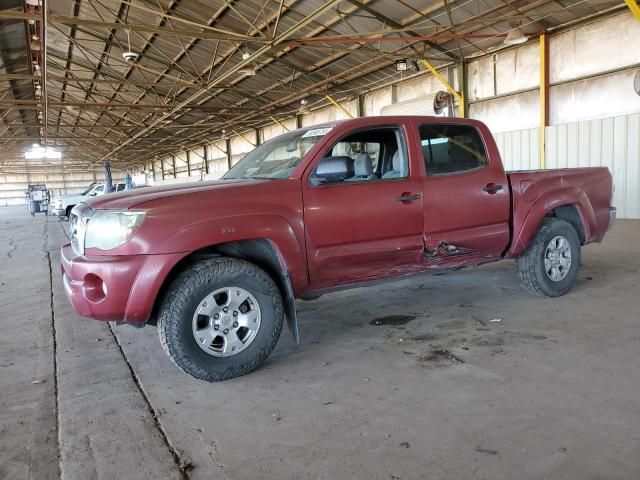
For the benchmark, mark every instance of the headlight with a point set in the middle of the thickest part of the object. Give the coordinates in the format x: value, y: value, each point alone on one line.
x: 107, y: 229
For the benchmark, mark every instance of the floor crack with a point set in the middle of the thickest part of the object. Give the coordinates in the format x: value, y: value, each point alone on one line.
x: 183, y: 465
x: 47, y: 253
x: 12, y: 248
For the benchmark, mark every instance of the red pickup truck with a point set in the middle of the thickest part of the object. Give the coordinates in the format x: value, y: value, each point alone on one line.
x: 217, y: 265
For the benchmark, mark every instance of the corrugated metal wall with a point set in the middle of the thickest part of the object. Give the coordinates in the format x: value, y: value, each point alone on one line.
x: 520, y: 150
x: 608, y: 142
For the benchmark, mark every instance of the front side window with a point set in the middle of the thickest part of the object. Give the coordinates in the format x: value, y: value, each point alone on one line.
x: 451, y: 149
x: 364, y: 156
x: 99, y: 189
x: 278, y: 157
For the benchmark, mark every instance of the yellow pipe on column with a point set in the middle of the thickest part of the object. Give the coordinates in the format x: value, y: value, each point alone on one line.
x: 278, y: 122
x: 347, y: 113
x: 244, y: 138
x: 634, y: 7
x: 447, y: 85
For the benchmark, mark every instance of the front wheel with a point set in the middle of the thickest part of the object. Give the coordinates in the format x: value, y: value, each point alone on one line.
x: 220, y: 319
x: 550, y: 266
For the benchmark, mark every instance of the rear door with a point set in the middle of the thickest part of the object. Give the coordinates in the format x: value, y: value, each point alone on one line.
x: 466, y: 195
x: 367, y: 223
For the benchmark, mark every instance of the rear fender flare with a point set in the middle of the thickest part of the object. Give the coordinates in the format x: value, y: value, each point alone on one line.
x: 524, y: 233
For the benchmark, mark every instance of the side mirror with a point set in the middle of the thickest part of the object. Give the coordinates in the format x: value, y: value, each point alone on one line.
x: 332, y: 170
x: 93, y: 194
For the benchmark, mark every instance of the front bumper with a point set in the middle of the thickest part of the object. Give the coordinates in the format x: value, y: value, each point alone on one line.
x: 59, y: 212
x: 111, y: 287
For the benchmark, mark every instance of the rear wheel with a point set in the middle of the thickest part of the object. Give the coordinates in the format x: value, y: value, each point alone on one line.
x: 550, y: 266
x: 220, y: 319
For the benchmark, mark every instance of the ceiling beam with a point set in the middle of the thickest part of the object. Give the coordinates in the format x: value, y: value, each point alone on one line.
x: 201, y: 33
x: 226, y: 75
x: 19, y: 15
x: 388, y: 21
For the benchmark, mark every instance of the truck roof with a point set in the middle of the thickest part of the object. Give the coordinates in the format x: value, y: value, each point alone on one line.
x: 382, y: 119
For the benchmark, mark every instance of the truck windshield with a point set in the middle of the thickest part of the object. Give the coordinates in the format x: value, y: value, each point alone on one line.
x: 88, y: 189
x: 279, y: 156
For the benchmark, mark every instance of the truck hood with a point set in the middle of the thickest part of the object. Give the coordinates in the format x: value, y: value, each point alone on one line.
x: 137, y: 197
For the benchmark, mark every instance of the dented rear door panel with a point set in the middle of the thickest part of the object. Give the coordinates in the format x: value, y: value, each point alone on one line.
x: 467, y: 213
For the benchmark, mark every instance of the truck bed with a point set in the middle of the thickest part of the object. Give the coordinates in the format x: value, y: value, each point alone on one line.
x: 534, y: 193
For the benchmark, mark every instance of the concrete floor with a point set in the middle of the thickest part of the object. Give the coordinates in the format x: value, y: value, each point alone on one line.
x: 551, y: 390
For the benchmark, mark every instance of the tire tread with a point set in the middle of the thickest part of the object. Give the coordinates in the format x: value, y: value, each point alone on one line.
x: 177, y: 298
x: 527, y: 264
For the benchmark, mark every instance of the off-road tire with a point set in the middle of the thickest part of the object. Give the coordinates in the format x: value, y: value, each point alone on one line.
x: 530, y: 265
x: 181, y: 300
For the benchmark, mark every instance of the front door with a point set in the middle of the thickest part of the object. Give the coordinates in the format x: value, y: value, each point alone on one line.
x: 363, y: 209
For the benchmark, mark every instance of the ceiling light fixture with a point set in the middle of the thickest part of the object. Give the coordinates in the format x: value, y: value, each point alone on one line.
x: 515, y: 37
x: 304, y: 108
x: 130, y: 56
x: 249, y: 69
x: 402, y: 65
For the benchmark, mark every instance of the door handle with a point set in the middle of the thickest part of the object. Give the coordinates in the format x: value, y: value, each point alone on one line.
x: 492, y: 188
x: 408, y: 197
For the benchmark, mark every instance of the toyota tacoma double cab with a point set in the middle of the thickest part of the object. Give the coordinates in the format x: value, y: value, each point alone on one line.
x: 217, y: 265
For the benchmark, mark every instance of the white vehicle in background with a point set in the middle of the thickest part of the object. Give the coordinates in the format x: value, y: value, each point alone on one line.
x: 62, y: 206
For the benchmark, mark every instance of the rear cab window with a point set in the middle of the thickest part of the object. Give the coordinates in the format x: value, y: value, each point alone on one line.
x: 449, y: 149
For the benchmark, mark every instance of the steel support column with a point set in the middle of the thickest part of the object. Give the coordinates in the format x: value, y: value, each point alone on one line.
x: 544, y: 95
x: 463, y: 80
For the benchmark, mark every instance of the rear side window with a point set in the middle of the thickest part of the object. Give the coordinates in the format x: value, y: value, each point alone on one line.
x: 451, y: 149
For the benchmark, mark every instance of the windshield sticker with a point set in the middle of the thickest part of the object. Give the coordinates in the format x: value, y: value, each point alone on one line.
x: 317, y: 132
